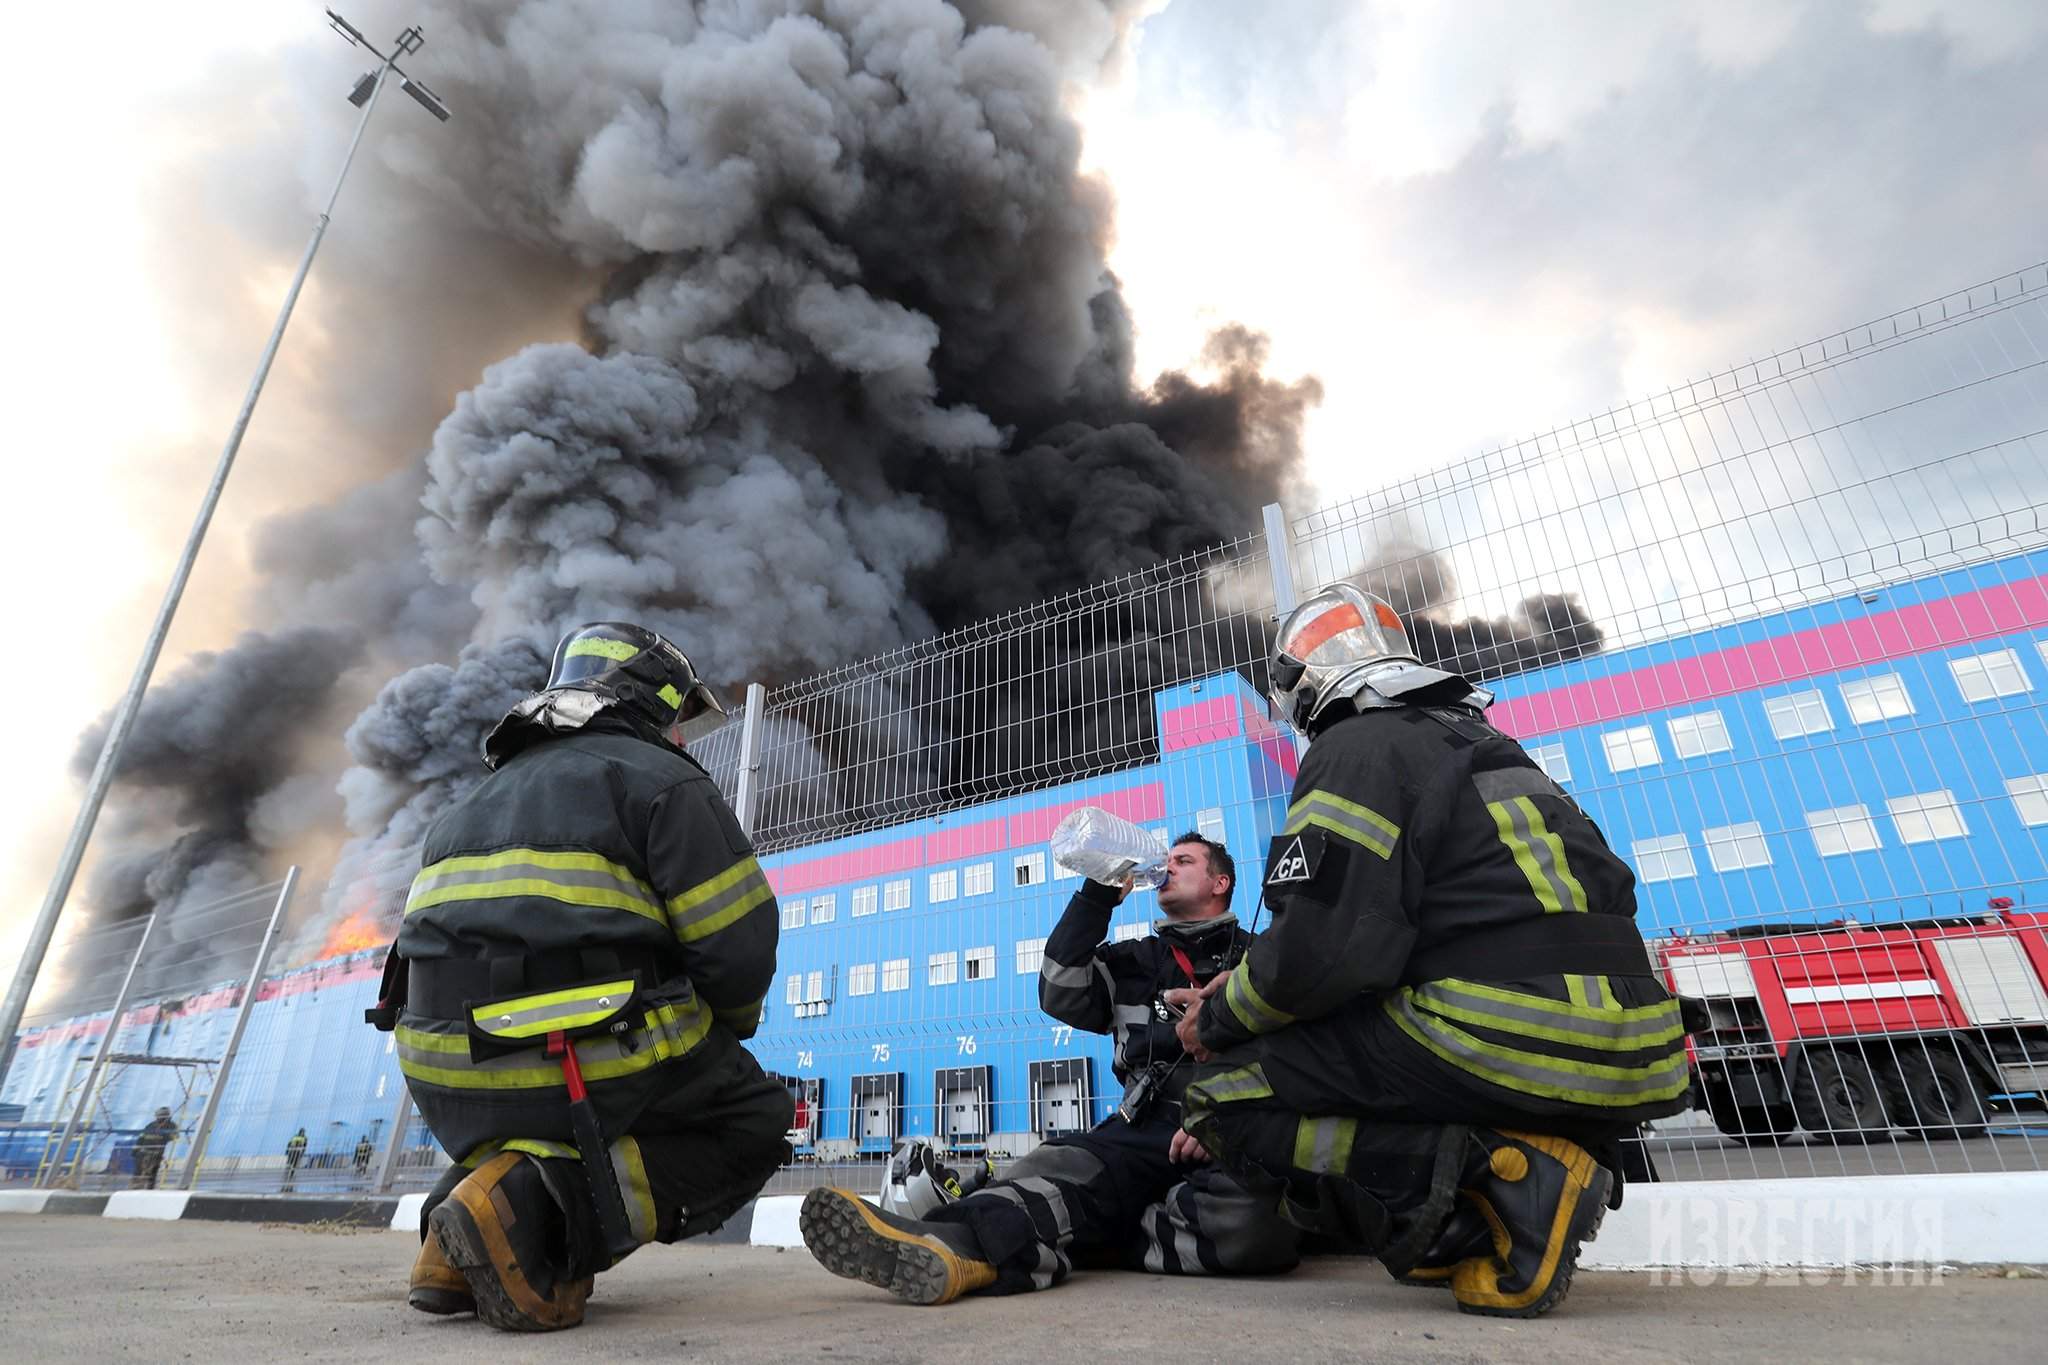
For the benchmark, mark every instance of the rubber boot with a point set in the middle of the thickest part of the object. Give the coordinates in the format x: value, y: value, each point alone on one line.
x: 438, y: 1287
x: 1465, y: 1234
x: 920, y: 1263
x: 506, y: 1234
x: 1541, y: 1197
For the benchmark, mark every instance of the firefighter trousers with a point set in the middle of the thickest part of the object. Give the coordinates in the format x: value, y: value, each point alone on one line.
x: 703, y: 1144
x: 1113, y: 1196
x: 1343, y: 1129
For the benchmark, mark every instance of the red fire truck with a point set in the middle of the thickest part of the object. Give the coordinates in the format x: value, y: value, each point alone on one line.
x: 1851, y: 1031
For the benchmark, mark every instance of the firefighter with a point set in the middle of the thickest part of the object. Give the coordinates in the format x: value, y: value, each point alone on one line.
x: 294, y: 1153
x: 1135, y: 1190
x: 592, y: 903
x: 149, y: 1149
x: 1437, y: 1047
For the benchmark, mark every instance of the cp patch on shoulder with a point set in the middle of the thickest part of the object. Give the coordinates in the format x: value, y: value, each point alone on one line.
x: 1294, y: 859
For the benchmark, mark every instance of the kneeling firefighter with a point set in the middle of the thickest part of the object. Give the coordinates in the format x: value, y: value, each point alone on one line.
x: 588, y: 940
x: 1437, y: 1048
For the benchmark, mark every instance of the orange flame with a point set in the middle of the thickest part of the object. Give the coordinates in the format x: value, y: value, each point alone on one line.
x: 358, y: 931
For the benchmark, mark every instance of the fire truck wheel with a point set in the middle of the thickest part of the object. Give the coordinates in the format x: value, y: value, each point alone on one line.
x: 1838, y: 1098
x: 1935, y: 1094
x: 1752, y: 1125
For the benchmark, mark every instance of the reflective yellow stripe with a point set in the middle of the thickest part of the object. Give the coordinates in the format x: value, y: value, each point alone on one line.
x: 540, y: 1147
x: 1588, y: 1083
x: 443, y: 1059
x: 529, y: 1016
x: 1539, y: 853
x: 602, y: 648
x: 1616, y: 1030
x: 1323, y: 1145
x: 1346, y: 819
x: 719, y: 902
x: 1244, y: 1083
x: 574, y: 878
x: 669, y: 694
x: 633, y: 1183
x: 1249, y: 1006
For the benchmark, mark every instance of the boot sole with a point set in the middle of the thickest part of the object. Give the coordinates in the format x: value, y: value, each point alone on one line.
x: 848, y: 1240
x: 442, y: 1303
x: 468, y: 1248
x: 1587, y: 1216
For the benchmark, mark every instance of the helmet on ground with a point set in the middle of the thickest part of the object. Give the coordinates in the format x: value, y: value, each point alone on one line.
x: 1328, y: 645
x: 638, y: 668
x: 919, y: 1184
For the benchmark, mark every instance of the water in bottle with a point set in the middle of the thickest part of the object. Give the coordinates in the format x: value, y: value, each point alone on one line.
x: 1107, y: 848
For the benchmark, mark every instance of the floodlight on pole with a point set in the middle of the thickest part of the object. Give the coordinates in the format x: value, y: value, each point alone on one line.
x: 364, y: 96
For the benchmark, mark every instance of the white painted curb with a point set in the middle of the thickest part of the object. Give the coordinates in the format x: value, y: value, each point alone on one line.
x: 775, y: 1221
x: 406, y: 1217
x: 165, y: 1204
x: 23, y: 1201
x: 1894, y: 1220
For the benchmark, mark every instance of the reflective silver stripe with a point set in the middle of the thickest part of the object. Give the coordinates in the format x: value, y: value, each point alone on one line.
x: 1062, y: 1216
x: 1059, y: 974
x: 751, y: 883
x: 1539, y: 1074
x: 1184, y: 1247
x: 1345, y: 818
x: 1323, y: 1155
x: 1131, y: 1014
x: 1505, y: 784
x: 1050, y: 1268
x: 1596, y: 994
x: 430, y: 880
x: 1616, y: 1029
x: 1245, y: 1083
x: 636, y: 1211
x: 495, y: 1019
x: 1544, y: 855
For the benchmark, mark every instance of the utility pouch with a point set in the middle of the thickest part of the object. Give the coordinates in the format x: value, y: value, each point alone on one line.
x: 515, y: 1023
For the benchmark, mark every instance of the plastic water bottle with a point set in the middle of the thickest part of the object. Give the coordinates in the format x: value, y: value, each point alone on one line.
x: 1107, y: 848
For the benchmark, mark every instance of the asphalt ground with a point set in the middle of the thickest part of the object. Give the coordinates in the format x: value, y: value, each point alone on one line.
x: 96, y: 1289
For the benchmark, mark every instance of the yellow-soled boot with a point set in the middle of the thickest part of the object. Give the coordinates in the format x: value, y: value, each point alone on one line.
x: 437, y: 1286
x: 920, y: 1263
x: 502, y: 1230
x: 1541, y: 1197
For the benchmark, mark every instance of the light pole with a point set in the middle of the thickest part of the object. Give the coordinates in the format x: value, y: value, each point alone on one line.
x: 364, y: 96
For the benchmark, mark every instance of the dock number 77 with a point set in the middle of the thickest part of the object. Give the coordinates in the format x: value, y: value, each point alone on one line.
x: 1062, y: 1034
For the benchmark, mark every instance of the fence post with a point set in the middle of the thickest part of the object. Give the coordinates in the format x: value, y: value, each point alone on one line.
x: 1280, y: 559
x: 47, y: 1177
x: 747, y: 797
x: 227, y: 1056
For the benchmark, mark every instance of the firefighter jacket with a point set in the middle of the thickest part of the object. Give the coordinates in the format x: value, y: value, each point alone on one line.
x: 1115, y: 988
x: 597, y: 885
x: 1429, y: 869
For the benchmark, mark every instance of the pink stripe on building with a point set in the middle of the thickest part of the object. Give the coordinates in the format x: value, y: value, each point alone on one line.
x: 877, y: 861
x: 1270, y: 739
x: 1202, y: 722
x: 1136, y: 804
x: 944, y: 845
x: 1886, y: 635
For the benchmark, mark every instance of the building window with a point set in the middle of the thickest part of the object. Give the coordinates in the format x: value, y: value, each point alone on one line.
x: 1699, y: 734
x: 1029, y: 869
x: 1209, y: 823
x: 943, y: 886
x: 793, y: 913
x: 1984, y: 676
x: 866, y: 900
x: 981, y: 879
x: 1030, y: 953
x: 896, y: 974
x: 1730, y: 848
x: 1664, y: 859
x: 1126, y: 932
x: 981, y: 963
x: 793, y: 989
x: 1874, y: 699
x: 942, y: 969
x: 1632, y: 748
x: 824, y: 909
x: 1843, y: 829
x: 2030, y: 798
x: 896, y: 895
x: 1551, y: 758
x: 860, y: 979
x: 814, y: 988
x: 1927, y: 816
x: 1800, y: 713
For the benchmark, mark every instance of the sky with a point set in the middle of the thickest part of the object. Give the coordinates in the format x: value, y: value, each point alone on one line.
x: 1471, y: 222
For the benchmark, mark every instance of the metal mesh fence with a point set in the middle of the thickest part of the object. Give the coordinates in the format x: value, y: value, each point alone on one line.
x: 1783, y: 633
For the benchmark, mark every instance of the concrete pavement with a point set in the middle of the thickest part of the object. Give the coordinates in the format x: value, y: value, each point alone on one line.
x: 91, y: 1289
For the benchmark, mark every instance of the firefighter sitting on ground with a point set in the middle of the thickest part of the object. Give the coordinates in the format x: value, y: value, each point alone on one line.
x: 1452, y: 1022
x: 591, y: 906
x: 149, y: 1149
x: 1134, y: 1191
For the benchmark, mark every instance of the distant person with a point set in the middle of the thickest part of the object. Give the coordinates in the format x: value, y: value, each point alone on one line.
x: 364, y: 1151
x: 294, y: 1153
x: 149, y: 1149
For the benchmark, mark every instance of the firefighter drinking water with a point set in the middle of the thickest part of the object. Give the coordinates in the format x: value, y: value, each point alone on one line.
x: 1452, y: 1021
x: 587, y: 943
x: 1134, y: 1191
